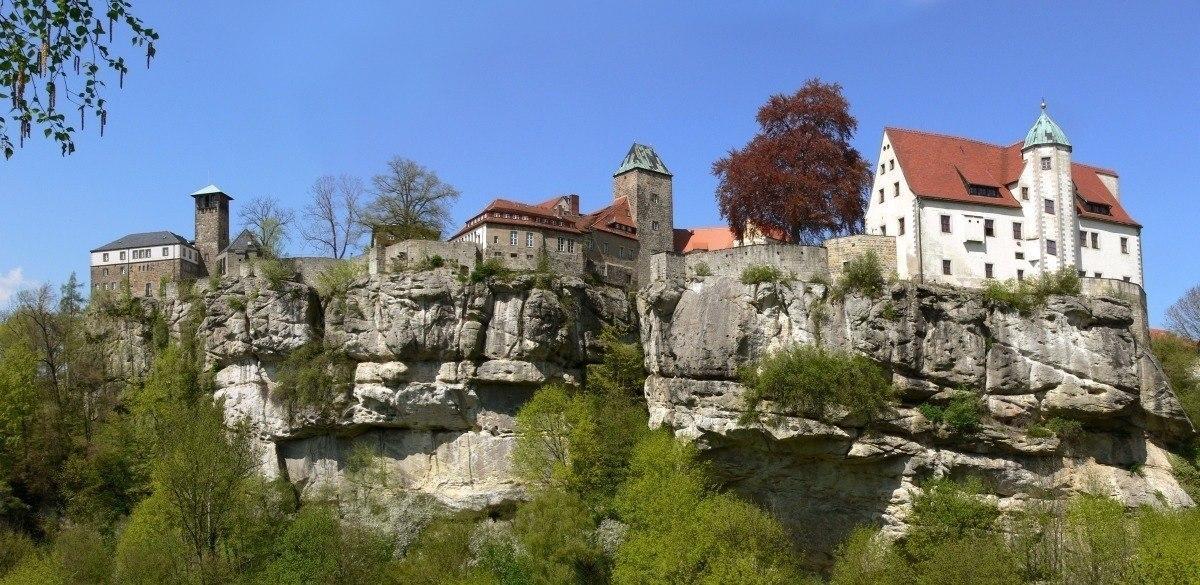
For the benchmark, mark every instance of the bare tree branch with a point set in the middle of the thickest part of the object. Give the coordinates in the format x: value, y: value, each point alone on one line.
x: 333, y: 216
x: 1183, y: 317
x: 269, y: 221
x: 411, y: 200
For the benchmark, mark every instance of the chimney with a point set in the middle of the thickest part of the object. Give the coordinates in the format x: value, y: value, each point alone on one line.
x: 573, y: 203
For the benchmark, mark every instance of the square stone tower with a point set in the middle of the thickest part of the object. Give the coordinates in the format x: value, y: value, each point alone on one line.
x: 645, y: 182
x: 212, y: 225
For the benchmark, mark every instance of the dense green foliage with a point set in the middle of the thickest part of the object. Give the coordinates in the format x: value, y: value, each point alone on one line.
x: 818, y: 383
x: 761, y: 274
x: 958, y: 538
x: 141, y: 481
x: 1031, y: 293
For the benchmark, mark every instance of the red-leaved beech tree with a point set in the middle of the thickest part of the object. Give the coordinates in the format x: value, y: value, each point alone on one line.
x: 799, y: 176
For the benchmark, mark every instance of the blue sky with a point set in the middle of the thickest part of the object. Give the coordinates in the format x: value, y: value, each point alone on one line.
x: 526, y: 100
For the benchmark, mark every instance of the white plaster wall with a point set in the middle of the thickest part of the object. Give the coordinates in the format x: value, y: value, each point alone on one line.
x: 967, y: 258
x: 892, y: 208
x: 156, y: 253
x: 1107, y: 261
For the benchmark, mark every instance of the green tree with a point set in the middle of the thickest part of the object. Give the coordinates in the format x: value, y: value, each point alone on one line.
x: 55, y: 58
x: 71, y: 299
x: 556, y: 532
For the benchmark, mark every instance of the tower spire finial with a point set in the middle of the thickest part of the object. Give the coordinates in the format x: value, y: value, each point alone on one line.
x: 1043, y: 104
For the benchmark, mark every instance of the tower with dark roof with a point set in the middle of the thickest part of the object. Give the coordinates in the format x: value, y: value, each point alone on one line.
x: 212, y: 224
x: 644, y: 181
x: 1047, y: 151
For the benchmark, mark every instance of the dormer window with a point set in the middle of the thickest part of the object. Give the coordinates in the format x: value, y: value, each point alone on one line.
x: 1100, y: 208
x: 983, y: 190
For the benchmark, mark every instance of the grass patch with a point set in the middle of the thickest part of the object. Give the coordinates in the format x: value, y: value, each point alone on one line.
x: 815, y: 383
x: 429, y: 263
x: 275, y: 272
x: 703, y: 270
x: 335, y: 280
x: 1029, y: 294
x: 760, y: 274
x: 492, y: 268
x: 863, y: 274
x: 962, y: 414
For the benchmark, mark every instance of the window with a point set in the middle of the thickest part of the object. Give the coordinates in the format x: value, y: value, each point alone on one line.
x: 1098, y: 275
x: 983, y: 190
x: 1052, y: 247
x: 562, y: 245
x: 882, y: 169
x: 604, y: 247
x: 1020, y: 255
x: 166, y: 251
x: 896, y: 188
x: 880, y: 200
x: 495, y: 239
x: 122, y: 255
x: 1082, y: 273
x: 1017, y: 235
x: 891, y: 164
x: 570, y: 245
x: 1124, y: 245
x: 883, y: 230
x: 1082, y: 239
x: 147, y: 289
x: 654, y: 198
x: 1125, y: 278
x: 105, y: 258
x: 1025, y: 193
x: 1045, y: 163
x: 945, y: 224
x: 105, y: 272
x: 1020, y: 274
x: 528, y: 239
x: 1100, y: 208
x: 946, y: 267
x: 989, y: 228
x: 987, y: 270
x: 512, y: 238
x: 1096, y: 240
x: 900, y: 224
x: 1049, y: 205
x: 654, y: 224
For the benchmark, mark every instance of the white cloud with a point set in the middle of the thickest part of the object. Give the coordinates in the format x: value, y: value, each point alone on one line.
x: 11, y: 282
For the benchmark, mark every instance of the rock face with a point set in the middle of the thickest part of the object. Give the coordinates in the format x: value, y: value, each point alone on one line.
x: 1075, y: 359
x: 440, y: 367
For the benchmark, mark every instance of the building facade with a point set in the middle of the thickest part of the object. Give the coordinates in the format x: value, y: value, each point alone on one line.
x: 145, y: 260
x: 965, y: 211
x: 614, y: 242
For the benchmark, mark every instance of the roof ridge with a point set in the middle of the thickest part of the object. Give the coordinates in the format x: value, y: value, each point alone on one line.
x: 951, y: 136
x: 1103, y: 170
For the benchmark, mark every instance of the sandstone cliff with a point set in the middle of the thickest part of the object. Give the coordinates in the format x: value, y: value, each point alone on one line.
x: 440, y: 366
x: 1075, y: 358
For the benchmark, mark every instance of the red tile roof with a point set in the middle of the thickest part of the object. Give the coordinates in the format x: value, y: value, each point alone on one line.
x: 543, y: 215
x: 614, y: 219
x: 938, y: 166
x: 704, y: 238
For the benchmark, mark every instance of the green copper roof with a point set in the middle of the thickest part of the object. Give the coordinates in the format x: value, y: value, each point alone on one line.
x: 642, y: 157
x: 1045, y: 131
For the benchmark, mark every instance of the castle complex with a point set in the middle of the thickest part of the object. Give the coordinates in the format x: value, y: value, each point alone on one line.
x: 147, y: 259
x: 614, y: 242
x: 942, y: 208
x: 964, y: 211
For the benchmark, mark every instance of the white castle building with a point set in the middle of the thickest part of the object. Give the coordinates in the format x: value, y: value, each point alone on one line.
x: 964, y: 211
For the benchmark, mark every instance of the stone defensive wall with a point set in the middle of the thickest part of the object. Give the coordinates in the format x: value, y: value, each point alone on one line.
x: 844, y: 249
x: 409, y: 253
x: 1129, y: 291
x: 804, y: 262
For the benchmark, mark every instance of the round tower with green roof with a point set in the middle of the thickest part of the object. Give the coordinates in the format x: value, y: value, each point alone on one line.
x: 1047, y: 151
